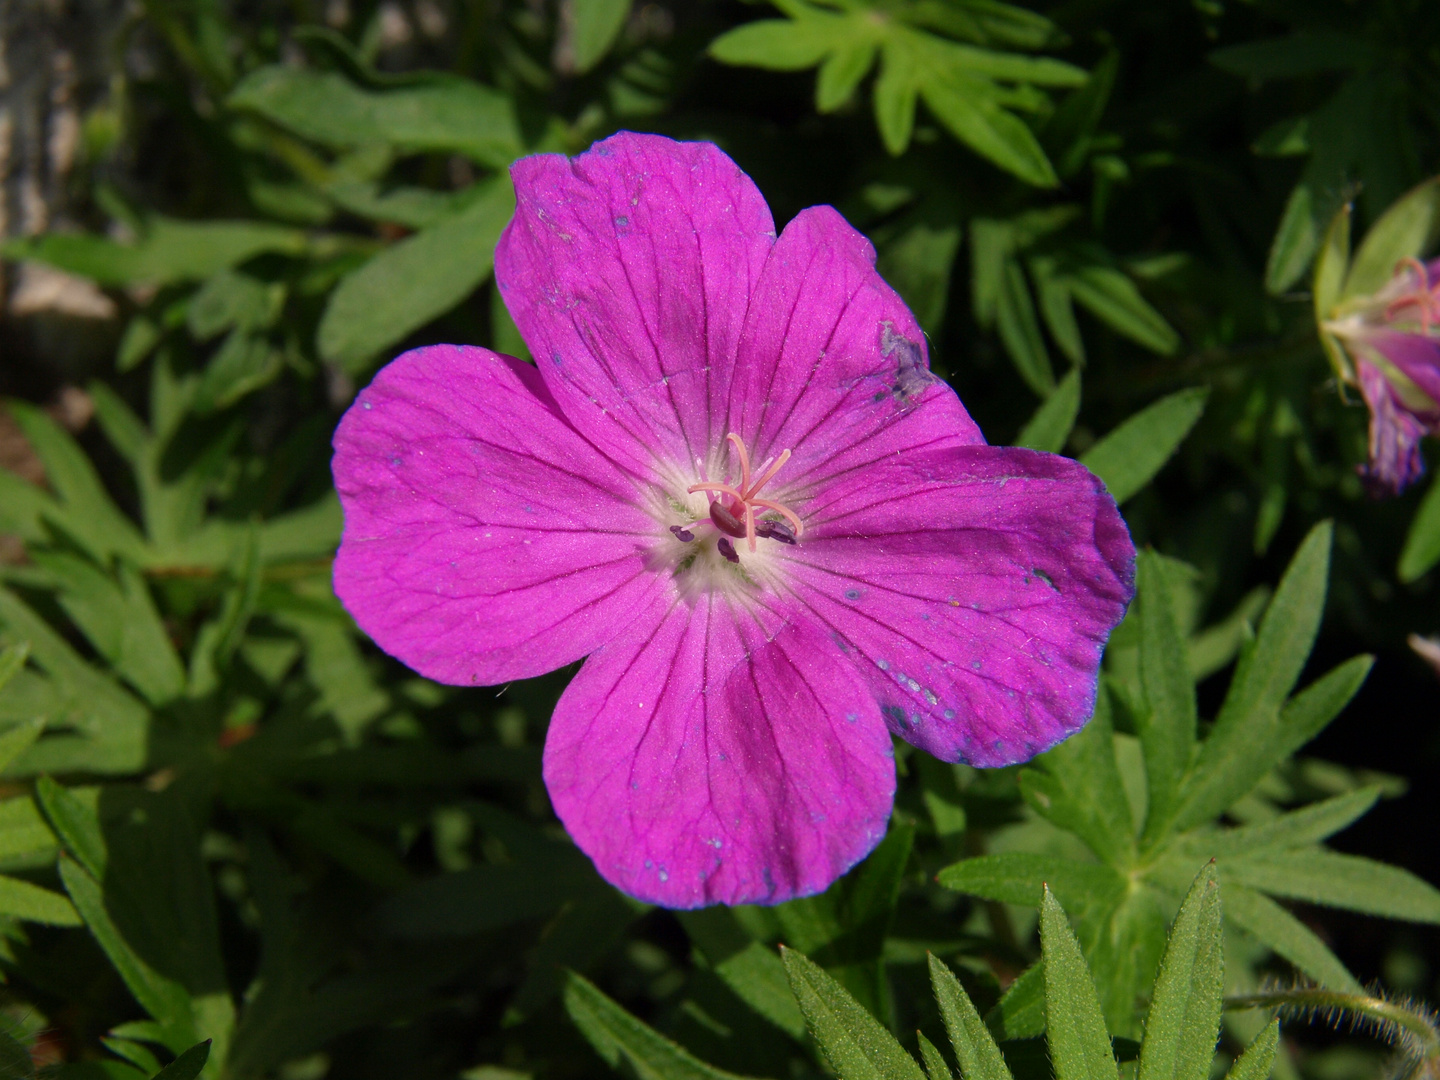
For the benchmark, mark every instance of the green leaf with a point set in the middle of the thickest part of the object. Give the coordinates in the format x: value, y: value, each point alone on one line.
x: 917, y: 265
x: 1259, y: 1057
x: 841, y: 73
x: 975, y: 1049
x: 935, y: 1066
x: 1129, y: 456
x: 966, y: 107
x: 590, y: 30
x: 1276, y: 928
x: 1021, y: 877
x: 779, y: 44
x: 89, y: 514
x: 1112, y: 297
x: 1325, y: 877
x: 443, y: 115
x: 896, y: 93
x: 1407, y: 230
x: 188, y: 1065
x: 853, y: 1041
x: 1077, y: 786
x: 1308, y: 712
x: 1422, y: 542
x: 121, y: 621
x: 12, y: 661
x: 75, y: 824
x: 1230, y: 762
x: 105, y: 728
x: 488, y: 896
x: 1296, y: 238
x: 1020, y: 331
x: 163, y: 998
x: 243, y: 363
x: 22, y: 900
x: 1167, y: 726
x: 583, y: 933
x: 1049, y: 429
x: 1306, y: 52
x: 169, y: 251
x: 621, y: 1039
x: 1184, y: 1018
x: 1074, y: 1026
x: 1020, y: 1013
x: 415, y: 280
x: 1057, y: 307
x: 1299, y: 828
x: 1331, y: 264
x: 16, y: 740
x: 231, y: 299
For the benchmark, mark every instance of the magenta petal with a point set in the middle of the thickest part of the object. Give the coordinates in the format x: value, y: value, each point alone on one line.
x: 1415, y: 356
x: 1395, y: 433
x: 484, y: 539
x: 628, y: 271
x: 832, y: 364
x: 975, y: 588
x: 720, y: 754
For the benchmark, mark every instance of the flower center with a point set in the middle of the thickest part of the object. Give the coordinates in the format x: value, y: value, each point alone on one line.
x: 735, y: 508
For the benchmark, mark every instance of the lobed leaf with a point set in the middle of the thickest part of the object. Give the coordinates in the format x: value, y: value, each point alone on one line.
x: 1074, y: 1025
x: 1287, y: 936
x: 1183, y: 1023
x: 620, y: 1038
x: 1422, y: 543
x: 1128, y: 457
x: 445, y: 115
x: 1258, y: 1058
x: 1112, y: 297
x: 1167, y: 726
x: 1318, y: 876
x: 1049, y: 429
x: 415, y: 280
x: 1299, y: 828
x: 853, y: 1041
x: 592, y: 31
x: 1230, y: 761
x: 975, y: 1049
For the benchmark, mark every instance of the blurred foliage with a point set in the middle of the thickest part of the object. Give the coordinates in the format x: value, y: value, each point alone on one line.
x: 227, y: 817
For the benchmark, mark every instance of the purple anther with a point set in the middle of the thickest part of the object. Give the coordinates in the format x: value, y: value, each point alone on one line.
x: 726, y: 548
x: 682, y: 534
x: 725, y: 521
x: 775, y: 530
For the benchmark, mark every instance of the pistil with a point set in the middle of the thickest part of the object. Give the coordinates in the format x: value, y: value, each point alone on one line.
x: 733, y: 506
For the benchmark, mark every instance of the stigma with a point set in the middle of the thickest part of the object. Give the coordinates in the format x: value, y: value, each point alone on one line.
x: 735, y: 507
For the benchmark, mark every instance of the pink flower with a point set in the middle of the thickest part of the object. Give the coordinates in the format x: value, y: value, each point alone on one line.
x: 732, y: 483
x: 1393, y: 338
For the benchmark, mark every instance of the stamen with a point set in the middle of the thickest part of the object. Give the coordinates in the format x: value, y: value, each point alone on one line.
x: 766, y: 477
x: 775, y: 530
x: 784, y: 510
x: 734, y: 506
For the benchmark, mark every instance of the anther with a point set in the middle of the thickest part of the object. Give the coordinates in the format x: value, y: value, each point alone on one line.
x: 775, y: 530
x: 726, y: 548
x: 682, y: 534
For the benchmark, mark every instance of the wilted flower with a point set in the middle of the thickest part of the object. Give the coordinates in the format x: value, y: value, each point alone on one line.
x: 1393, y: 340
x: 732, y: 482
